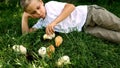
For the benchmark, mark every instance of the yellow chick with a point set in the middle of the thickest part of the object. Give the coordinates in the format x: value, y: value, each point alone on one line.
x: 45, y: 36
x: 63, y: 61
x: 58, y: 41
x: 50, y: 50
x: 20, y: 48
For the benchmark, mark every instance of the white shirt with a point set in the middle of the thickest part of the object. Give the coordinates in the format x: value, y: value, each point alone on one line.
x: 74, y: 22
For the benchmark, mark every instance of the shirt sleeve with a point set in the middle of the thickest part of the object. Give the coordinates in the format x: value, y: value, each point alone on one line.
x: 55, y: 6
x: 38, y: 25
x: 55, y: 3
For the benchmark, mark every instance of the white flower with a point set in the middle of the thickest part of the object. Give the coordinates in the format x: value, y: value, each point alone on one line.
x: 45, y: 36
x: 20, y: 48
x: 63, y: 60
x: 42, y: 52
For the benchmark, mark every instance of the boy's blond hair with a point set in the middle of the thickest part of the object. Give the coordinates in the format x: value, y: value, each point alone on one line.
x: 24, y: 3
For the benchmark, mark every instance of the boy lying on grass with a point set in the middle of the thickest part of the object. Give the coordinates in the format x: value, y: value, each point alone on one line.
x: 64, y: 17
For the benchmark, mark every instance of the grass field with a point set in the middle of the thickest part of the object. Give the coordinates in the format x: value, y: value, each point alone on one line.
x: 84, y: 50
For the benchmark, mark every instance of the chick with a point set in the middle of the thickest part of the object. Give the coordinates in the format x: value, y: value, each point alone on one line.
x: 50, y: 50
x: 45, y: 36
x: 20, y: 48
x: 63, y: 61
x: 58, y: 41
x: 42, y: 52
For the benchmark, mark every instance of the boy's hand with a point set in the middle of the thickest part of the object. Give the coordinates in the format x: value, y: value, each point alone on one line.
x: 50, y: 28
x: 28, y: 15
x: 25, y: 14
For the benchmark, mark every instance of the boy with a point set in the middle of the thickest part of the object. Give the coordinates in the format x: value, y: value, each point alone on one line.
x: 65, y: 18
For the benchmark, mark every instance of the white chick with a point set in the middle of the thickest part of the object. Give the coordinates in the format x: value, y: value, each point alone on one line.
x: 53, y: 35
x: 63, y: 60
x: 45, y: 36
x: 20, y: 48
x: 42, y: 52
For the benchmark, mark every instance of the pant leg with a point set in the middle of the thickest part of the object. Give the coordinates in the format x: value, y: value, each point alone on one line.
x: 104, y: 33
x: 101, y: 17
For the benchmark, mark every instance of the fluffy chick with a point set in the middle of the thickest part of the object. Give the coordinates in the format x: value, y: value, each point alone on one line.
x: 20, y: 48
x: 58, y: 41
x: 45, y: 36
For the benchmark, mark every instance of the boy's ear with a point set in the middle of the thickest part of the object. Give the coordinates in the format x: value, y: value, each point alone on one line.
x: 42, y: 2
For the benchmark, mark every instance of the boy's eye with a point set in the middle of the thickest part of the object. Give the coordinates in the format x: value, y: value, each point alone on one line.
x: 38, y: 7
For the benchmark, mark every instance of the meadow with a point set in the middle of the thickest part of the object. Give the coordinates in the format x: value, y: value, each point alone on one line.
x: 84, y: 50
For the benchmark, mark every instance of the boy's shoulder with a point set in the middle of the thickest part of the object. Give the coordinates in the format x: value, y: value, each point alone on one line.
x: 51, y: 2
x: 54, y: 2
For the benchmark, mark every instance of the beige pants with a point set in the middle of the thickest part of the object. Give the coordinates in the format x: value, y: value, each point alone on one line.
x: 102, y: 23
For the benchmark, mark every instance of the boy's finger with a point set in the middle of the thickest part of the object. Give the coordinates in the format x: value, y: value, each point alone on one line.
x: 48, y: 31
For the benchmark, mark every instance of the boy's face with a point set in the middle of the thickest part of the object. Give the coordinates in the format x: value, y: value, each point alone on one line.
x: 36, y: 9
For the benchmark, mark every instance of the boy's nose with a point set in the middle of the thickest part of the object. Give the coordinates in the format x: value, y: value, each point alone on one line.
x: 38, y: 12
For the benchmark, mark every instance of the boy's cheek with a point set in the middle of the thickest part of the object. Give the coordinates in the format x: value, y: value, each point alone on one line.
x: 35, y: 16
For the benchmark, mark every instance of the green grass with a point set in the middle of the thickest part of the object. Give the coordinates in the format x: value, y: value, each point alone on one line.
x: 84, y: 50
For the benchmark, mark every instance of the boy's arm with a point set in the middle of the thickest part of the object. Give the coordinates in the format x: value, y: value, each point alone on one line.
x: 64, y: 14
x: 25, y: 27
